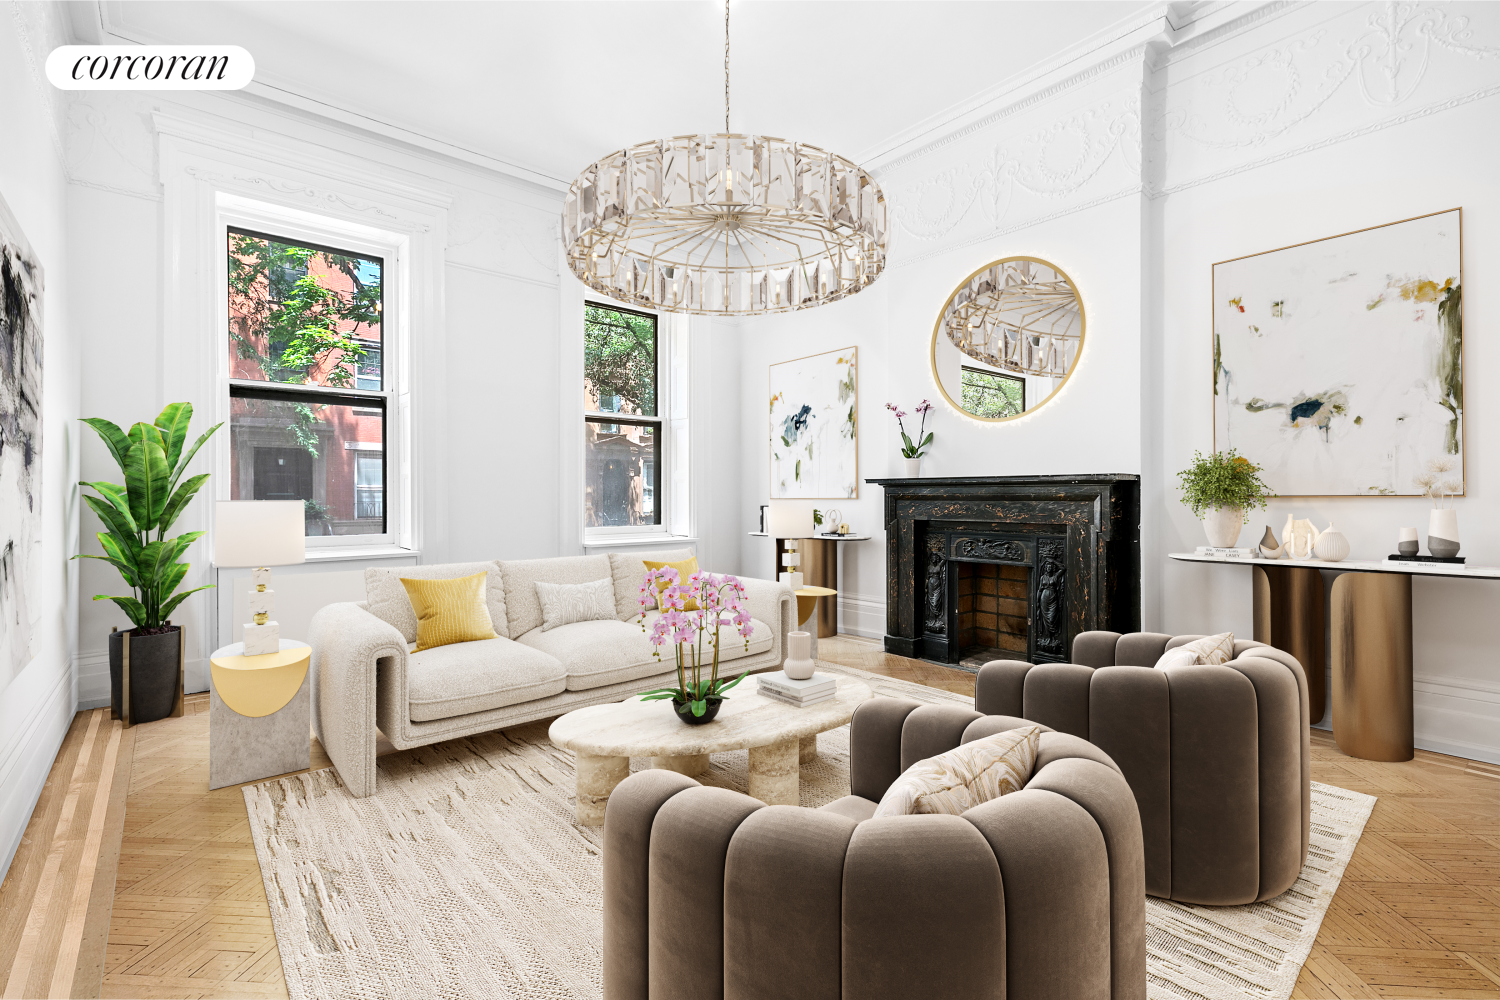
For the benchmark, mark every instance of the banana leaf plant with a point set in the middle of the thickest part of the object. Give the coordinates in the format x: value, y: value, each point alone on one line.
x: 152, y: 459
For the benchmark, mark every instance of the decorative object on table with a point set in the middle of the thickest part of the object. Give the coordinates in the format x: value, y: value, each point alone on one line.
x: 260, y: 534
x: 800, y: 691
x: 799, y: 663
x: 1331, y: 545
x: 1406, y: 542
x: 763, y: 524
x: 1237, y: 552
x: 1298, y: 538
x: 911, y: 451
x: 1269, y: 547
x: 260, y: 708
x: 146, y: 663
x: 815, y: 427
x: 725, y: 224
x: 1221, y: 490
x: 829, y: 520
x: 21, y: 503
x: 1415, y: 560
x: 1442, y: 523
x: 1007, y: 339
x: 696, y: 699
x: 1374, y: 322
x: 791, y: 521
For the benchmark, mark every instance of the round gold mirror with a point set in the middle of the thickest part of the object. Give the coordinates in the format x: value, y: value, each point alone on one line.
x: 1007, y: 338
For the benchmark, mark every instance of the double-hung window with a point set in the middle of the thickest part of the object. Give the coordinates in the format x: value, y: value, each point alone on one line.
x: 992, y: 394
x: 622, y: 421
x: 310, y: 392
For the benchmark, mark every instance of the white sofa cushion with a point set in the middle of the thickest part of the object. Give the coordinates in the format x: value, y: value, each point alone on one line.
x: 386, y: 599
x: 566, y: 603
x: 629, y: 569
x: 467, y: 677
x: 600, y: 653
x: 522, y: 606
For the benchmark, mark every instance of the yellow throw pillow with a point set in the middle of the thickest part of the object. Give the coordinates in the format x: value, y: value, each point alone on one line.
x: 966, y: 776
x: 684, y: 569
x: 449, y: 611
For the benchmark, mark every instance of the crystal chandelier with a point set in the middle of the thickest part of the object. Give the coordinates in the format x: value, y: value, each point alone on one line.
x: 725, y: 224
x: 1019, y: 315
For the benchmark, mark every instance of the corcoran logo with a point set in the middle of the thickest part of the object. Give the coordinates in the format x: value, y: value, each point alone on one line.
x: 150, y: 67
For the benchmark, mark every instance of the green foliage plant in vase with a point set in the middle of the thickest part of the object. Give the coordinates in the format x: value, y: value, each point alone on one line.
x: 145, y: 662
x: 1222, y: 489
x: 692, y: 614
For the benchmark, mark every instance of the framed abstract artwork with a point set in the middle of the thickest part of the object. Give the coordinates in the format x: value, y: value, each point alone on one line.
x: 20, y: 448
x: 1338, y: 364
x: 815, y: 427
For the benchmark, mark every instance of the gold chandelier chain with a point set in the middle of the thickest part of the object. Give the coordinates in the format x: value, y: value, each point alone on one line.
x: 726, y: 65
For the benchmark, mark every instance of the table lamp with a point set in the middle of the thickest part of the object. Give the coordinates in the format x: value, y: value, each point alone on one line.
x: 260, y: 534
x: 791, y: 520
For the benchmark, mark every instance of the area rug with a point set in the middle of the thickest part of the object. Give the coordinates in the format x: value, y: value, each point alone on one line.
x: 465, y: 876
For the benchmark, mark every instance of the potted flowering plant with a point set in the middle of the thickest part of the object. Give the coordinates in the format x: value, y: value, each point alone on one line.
x: 913, y: 451
x: 1222, y: 489
x: 696, y: 698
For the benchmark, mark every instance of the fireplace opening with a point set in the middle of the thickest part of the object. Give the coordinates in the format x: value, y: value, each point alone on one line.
x: 991, y: 616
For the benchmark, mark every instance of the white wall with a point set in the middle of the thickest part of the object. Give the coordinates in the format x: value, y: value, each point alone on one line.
x: 37, y: 706
x: 1134, y: 167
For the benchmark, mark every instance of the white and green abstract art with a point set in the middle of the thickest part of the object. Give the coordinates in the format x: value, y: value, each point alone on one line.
x: 1338, y: 364
x: 815, y: 427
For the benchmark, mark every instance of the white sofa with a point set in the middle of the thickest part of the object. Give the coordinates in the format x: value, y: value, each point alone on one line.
x: 366, y: 677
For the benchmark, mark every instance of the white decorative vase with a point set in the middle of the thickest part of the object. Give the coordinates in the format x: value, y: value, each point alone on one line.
x: 799, y: 662
x: 1442, y: 533
x: 1223, y: 525
x: 913, y: 468
x: 1331, y: 545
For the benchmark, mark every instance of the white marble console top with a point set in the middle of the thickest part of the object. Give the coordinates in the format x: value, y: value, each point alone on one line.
x: 638, y: 728
x: 1355, y: 566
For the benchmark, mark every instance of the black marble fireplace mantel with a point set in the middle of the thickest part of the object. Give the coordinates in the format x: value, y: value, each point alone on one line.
x: 1078, y: 536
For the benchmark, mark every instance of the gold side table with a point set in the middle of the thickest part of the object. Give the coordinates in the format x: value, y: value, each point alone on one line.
x: 260, y: 713
x: 807, y: 611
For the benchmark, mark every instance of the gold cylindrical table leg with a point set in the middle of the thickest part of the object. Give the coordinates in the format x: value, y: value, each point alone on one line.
x: 1372, y: 694
x: 1288, y: 603
x: 820, y: 568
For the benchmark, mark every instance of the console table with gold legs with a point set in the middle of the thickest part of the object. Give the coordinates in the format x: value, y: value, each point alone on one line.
x: 1369, y: 621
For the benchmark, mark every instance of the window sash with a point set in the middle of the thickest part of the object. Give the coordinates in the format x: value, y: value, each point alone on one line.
x: 657, y: 421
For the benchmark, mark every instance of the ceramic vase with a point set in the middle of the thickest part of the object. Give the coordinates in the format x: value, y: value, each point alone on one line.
x: 1223, y: 526
x: 1331, y: 545
x: 913, y: 468
x: 799, y: 664
x: 685, y: 711
x: 1442, y: 533
x: 1406, y: 542
x: 1269, y: 547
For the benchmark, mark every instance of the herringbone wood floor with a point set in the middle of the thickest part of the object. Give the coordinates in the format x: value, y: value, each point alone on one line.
x: 1417, y: 914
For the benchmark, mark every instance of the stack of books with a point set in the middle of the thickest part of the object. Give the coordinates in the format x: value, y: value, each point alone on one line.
x: 1235, y: 553
x: 780, y: 687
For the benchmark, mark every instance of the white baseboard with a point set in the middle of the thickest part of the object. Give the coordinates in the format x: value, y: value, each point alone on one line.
x: 1459, y: 717
x: 862, y: 615
x: 26, y: 760
x: 92, y: 669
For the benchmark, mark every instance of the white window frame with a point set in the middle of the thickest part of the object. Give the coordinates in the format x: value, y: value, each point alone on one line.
x: 295, y: 225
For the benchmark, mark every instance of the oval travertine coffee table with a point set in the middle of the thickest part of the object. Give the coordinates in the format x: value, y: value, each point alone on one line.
x: 780, y: 737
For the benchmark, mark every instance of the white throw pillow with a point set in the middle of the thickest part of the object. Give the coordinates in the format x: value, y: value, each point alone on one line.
x: 566, y: 603
x: 1212, y: 650
x: 957, y: 781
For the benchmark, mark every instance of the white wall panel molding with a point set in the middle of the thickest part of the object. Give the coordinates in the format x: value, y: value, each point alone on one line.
x: 862, y: 615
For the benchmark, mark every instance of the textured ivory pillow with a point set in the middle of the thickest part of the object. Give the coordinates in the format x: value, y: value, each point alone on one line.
x: 685, y: 569
x: 957, y: 781
x: 1212, y: 650
x: 566, y: 603
x: 449, y: 611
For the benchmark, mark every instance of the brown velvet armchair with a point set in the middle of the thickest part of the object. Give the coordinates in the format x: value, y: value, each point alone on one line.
x: 1040, y: 893
x: 1217, y: 756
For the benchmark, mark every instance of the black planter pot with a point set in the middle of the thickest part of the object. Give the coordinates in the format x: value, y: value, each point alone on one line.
x: 154, y: 686
x: 685, y: 711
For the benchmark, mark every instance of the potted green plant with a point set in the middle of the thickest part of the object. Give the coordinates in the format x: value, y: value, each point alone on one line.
x: 136, y: 516
x: 1222, y: 489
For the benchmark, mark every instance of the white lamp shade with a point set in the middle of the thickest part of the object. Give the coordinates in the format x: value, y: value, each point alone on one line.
x: 791, y: 519
x: 259, y: 533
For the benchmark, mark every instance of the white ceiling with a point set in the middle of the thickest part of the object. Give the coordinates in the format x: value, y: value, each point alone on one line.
x: 552, y: 86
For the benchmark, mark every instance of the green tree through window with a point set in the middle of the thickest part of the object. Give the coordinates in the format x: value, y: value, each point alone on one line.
x: 619, y: 359
x: 990, y: 394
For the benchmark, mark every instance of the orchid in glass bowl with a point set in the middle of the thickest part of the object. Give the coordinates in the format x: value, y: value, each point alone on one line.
x: 692, y: 615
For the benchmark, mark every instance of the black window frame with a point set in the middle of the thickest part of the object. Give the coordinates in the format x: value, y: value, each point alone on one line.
x: 657, y: 421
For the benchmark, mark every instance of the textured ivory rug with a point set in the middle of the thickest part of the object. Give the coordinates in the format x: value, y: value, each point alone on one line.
x: 464, y: 876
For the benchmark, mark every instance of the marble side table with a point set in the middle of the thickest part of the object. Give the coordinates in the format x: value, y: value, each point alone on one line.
x: 780, y: 739
x: 259, y: 714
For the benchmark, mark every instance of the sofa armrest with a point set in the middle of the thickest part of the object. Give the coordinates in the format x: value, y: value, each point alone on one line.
x: 772, y: 602
x: 348, y: 647
x: 999, y: 687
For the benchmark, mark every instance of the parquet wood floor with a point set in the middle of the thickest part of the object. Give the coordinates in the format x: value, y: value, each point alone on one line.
x: 1417, y: 914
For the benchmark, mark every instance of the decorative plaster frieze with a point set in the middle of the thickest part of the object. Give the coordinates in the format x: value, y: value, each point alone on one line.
x: 504, y: 237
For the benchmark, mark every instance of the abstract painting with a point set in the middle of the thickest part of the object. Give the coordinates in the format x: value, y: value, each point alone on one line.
x: 1338, y: 364
x: 815, y: 427
x: 20, y: 448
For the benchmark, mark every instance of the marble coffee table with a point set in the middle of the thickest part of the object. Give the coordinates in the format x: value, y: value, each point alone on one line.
x: 780, y: 739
